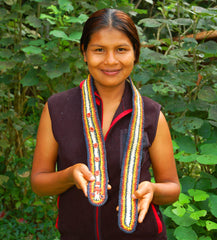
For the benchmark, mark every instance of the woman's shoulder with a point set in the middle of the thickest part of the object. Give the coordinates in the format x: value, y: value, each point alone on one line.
x: 65, y: 95
x: 150, y: 105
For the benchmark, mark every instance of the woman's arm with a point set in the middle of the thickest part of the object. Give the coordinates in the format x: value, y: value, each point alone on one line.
x: 166, y: 189
x: 44, y: 179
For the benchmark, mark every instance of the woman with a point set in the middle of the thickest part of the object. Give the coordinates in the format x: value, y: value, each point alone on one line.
x: 104, y: 136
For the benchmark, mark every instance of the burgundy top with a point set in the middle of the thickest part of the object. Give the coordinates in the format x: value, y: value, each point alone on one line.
x: 78, y: 219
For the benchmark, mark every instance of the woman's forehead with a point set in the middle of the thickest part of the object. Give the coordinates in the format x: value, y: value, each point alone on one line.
x: 109, y: 35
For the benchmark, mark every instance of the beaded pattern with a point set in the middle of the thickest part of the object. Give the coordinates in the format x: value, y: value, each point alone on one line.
x: 128, y: 213
x: 97, y: 190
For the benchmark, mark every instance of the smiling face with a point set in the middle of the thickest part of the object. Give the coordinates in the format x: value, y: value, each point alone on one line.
x: 110, y: 57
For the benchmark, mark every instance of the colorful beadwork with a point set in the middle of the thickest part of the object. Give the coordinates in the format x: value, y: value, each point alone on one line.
x: 130, y: 173
x: 97, y: 190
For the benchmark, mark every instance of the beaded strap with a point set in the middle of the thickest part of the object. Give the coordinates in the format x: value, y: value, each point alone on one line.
x: 130, y: 171
x: 96, y: 153
x: 96, y: 156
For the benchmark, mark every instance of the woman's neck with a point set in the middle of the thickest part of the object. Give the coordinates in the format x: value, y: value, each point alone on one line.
x: 111, y: 94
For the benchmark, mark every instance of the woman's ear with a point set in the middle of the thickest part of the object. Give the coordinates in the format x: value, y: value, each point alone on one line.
x: 84, y: 53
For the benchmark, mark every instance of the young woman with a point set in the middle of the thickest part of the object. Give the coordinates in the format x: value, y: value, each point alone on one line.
x: 104, y: 137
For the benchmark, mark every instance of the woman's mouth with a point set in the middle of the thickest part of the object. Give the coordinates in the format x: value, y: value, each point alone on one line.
x: 110, y: 72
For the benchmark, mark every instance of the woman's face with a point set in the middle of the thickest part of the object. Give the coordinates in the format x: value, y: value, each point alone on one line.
x: 110, y: 57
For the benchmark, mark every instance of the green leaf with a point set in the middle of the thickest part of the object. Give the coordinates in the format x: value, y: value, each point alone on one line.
x: 189, y: 43
x: 187, y: 183
x: 49, y: 18
x: 205, y: 238
x: 212, y: 179
x: 207, y: 94
x: 185, y: 233
x: 59, y: 34
x: 198, y: 214
x: 30, y: 78
x: 75, y: 36
x: 33, y: 21
x: 38, y: 42
x: 213, y: 113
x: 182, y: 21
x: 18, y: 204
x: 65, y: 5
x: 187, y: 158
x: 184, y: 199
x: 184, y: 221
x: 32, y: 50
x: 38, y: 203
x: 209, y: 149
x: 179, y: 211
x: 10, y: 2
x: 81, y: 19
x: 149, y: 22
x: 211, y: 225
x: 6, y: 65
x: 198, y: 195
x: 213, y: 205
x: 187, y: 145
x: 207, y: 159
x: 6, y: 53
x: 3, y: 179
x: 209, y: 47
x: 184, y: 124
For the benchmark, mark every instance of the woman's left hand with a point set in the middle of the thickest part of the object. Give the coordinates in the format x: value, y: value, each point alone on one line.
x: 144, y: 194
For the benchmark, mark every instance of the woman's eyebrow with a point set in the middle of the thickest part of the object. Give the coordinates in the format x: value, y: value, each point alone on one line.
x: 100, y: 45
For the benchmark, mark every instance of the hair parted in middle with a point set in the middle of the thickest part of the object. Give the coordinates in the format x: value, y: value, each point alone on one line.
x: 114, y: 18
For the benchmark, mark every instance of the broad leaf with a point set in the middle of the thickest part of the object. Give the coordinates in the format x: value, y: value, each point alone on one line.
x: 210, y: 225
x: 207, y: 94
x: 184, y: 221
x: 198, y: 214
x: 205, y: 238
x: 209, y: 149
x: 207, y: 159
x: 185, y: 233
x: 184, y: 124
x: 209, y: 47
x: 149, y: 22
x: 30, y: 78
x: 59, y: 34
x: 213, y: 205
x: 66, y: 5
x: 32, y: 50
x: 182, y: 21
x: 198, y: 195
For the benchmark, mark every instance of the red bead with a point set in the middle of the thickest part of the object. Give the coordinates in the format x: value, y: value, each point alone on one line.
x: 96, y: 159
x: 91, y: 129
x: 88, y: 114
x: 97, y: 173
x: 95, y: 145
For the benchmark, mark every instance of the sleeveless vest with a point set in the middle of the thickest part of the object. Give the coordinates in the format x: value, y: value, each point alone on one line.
x: 77, y: 218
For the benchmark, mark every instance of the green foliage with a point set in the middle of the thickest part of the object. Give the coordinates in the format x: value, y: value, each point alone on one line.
x: 39, y: 55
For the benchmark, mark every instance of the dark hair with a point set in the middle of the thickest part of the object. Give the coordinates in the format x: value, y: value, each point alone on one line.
x: 110, y: 18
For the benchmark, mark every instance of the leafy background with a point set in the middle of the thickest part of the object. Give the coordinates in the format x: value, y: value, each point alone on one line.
x: 39, y: 56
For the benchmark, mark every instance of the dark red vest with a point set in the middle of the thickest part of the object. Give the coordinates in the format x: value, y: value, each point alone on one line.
x: 78, y: 219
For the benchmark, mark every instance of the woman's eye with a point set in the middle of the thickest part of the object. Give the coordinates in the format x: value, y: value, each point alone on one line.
x: 121, y: 49
x: 99, y: 50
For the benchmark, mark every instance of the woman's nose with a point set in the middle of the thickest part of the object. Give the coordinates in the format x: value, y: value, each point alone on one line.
x: 111, y: 58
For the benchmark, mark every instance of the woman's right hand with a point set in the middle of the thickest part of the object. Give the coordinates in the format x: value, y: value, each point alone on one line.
x: 80, y: 176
